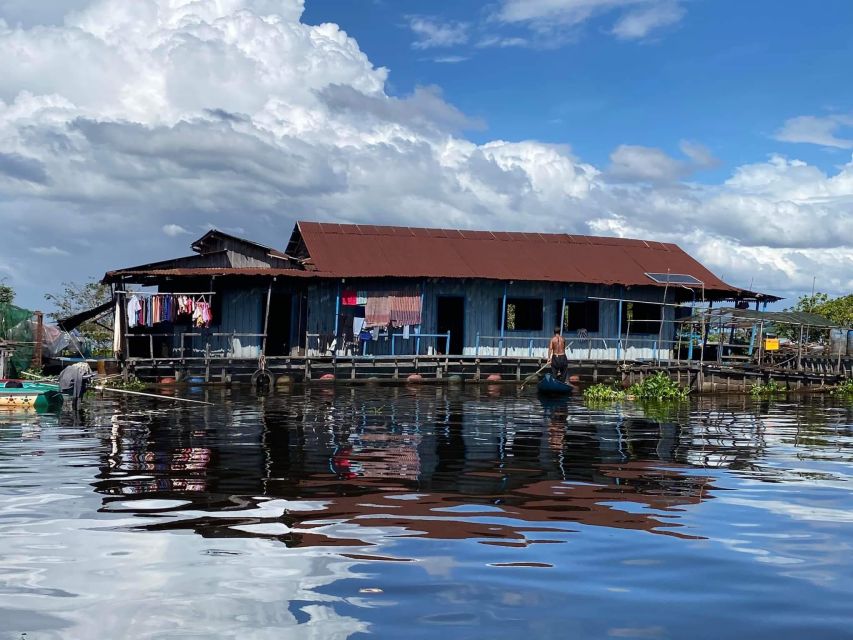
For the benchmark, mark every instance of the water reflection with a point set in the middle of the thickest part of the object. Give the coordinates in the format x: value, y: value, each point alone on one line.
x: 316, y: 468
x: 337, y: 512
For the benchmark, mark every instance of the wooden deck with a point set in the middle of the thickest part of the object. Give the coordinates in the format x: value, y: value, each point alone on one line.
x: 703, y: 377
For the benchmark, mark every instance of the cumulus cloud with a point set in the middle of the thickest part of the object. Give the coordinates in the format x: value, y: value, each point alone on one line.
x: 556, y: 21
x: 820, y: 130
x: 634, y: 163
x: 129, y: 123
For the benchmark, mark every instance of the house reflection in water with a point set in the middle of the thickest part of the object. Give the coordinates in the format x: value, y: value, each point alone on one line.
x: 331, y: 468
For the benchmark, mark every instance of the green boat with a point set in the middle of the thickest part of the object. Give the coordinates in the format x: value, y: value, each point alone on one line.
x: 23, y: 394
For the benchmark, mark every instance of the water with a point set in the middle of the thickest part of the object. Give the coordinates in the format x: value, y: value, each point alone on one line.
x: 426, y: 513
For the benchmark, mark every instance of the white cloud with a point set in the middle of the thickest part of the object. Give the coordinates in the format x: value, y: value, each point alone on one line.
x: 135, y: 121
x: 52, y: 250
x: 555, y: 21
x: 648, y: 17
x: 432, y: 32
x: 633, y: 163
x: 450, y: 59
x: 173, y: 230
x: 820, y: 130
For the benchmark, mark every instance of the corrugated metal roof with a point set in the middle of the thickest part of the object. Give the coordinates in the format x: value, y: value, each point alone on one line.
x: 211, y: 271
x: 373, y: 251
x: 782, y: 317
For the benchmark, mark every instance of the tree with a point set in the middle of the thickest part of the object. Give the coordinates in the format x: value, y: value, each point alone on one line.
x: 7, y: 293
x: 77, y: 297
x: 839, y: 311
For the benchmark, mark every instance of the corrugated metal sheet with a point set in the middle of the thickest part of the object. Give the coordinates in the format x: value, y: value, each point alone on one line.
x: 211, y: 271
x: 372, y: 251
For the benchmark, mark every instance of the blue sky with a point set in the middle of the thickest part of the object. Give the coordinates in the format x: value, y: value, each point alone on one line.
x: 728, y: 75
x: 128, y: 129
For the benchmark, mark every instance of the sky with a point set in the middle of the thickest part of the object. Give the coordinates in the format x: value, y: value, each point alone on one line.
x: 128, y: 129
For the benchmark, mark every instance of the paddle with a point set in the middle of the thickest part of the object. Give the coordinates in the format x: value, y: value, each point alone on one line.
x: 535, y: 374
x: 152, y: 395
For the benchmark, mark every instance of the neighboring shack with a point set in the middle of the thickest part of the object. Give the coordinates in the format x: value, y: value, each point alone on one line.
x: 365, y: 290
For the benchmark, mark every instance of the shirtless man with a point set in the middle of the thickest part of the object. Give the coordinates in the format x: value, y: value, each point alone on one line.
x: 557, y: 356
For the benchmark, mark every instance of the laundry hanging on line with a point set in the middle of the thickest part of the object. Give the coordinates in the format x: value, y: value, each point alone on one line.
x: 167, y: 307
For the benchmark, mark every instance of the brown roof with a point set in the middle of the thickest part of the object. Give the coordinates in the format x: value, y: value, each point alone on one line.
x: 210, y: 271
x: 372, y: 251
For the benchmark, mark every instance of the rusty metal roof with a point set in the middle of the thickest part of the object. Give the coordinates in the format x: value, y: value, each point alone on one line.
x: 374, y: 251
x: 112, y: 276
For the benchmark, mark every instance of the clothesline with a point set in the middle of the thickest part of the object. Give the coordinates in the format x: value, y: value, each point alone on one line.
x: 165, y: 293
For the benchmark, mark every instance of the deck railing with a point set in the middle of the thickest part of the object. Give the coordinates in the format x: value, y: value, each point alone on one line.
x: 417, y: 343
x: 217, y: 344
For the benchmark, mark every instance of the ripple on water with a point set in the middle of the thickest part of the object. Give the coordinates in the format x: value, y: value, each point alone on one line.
x: 427, y: 512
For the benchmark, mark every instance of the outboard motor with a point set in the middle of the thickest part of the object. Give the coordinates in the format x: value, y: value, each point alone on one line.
x: 73, y: 381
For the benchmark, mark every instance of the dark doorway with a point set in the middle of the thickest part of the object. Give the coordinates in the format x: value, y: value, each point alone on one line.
x: 278, y: 329
x: 450, y: 316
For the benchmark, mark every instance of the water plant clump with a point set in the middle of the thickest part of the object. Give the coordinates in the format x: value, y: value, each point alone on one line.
x: 844, y: 388
x: 131, y: 384
x: 769, y: 388
x: 658, y: 386
x: 603, y: 393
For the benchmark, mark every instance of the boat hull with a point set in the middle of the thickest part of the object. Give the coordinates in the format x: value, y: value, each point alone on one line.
x: 552, y: 387
x: 30, y: 396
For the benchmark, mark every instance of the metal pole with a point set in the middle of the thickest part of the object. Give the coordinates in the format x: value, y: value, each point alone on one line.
x: 563, y: 315
x: 337, y: 309
x: 267, y: 319
x: 760, y: 341
x: 503, y: 320
x: 619, y: 330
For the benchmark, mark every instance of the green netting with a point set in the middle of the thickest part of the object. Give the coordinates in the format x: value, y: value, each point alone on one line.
x: 16, y: 327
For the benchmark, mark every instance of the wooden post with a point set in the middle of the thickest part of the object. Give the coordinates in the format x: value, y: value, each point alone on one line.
x: 503, y: 320
x: 800, y: 350
x: 39, y: 338
x: 760, y: 341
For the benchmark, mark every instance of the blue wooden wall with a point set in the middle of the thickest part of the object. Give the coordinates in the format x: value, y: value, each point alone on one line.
x: 481, y: 317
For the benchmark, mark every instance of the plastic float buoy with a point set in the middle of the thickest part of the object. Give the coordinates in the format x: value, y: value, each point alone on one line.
x: 414, y: 377
x: 284, y: 381
x: 327, y: 376
x: 167, y: 380
x: 262, y: 379
x: 494, y: 377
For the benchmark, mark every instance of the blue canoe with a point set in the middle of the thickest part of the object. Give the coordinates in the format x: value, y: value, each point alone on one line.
x: 551, y: 386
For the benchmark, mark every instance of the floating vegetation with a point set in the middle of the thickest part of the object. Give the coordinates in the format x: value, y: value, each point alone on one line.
x: 603, y: 393
x: 658, y: 386
x: 769, y: 388
x: 845, y: 388
x: 131, y: 384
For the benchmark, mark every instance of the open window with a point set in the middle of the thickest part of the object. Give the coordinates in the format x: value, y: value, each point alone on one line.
x: 645, y: 317
x: 578, y: 315
x: 522, y: 314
